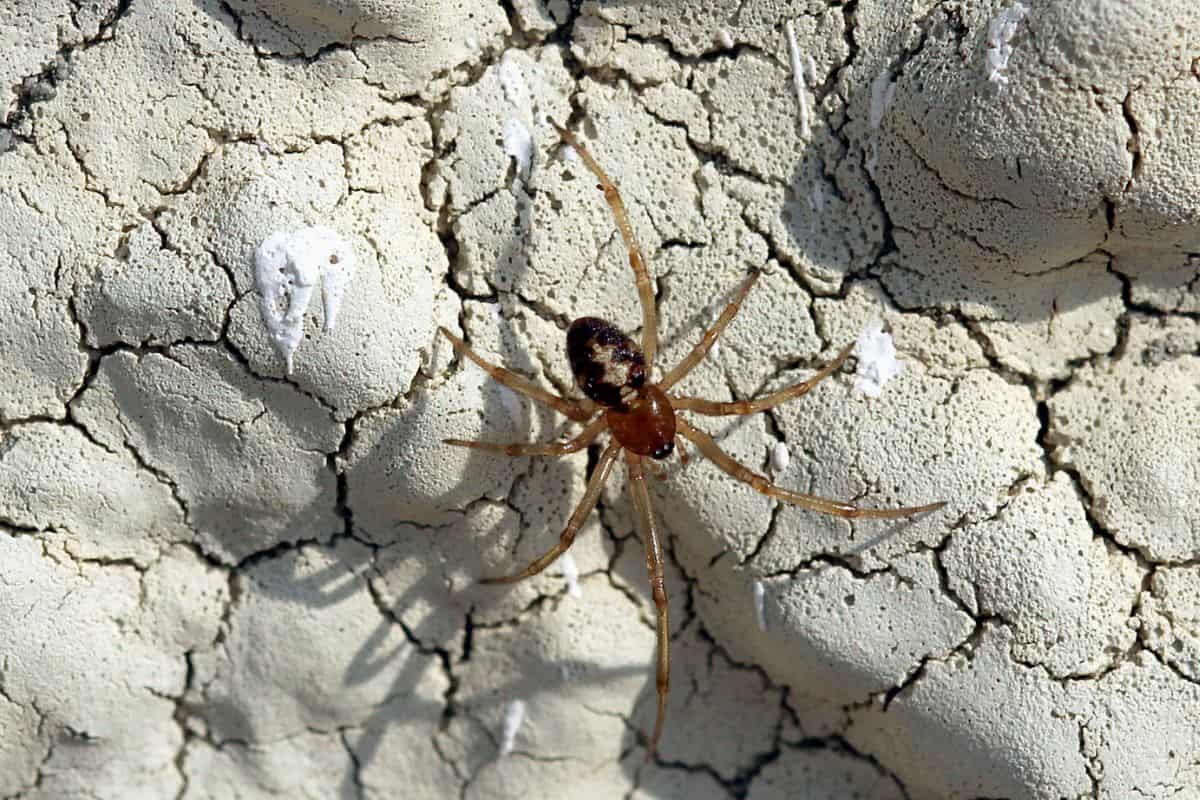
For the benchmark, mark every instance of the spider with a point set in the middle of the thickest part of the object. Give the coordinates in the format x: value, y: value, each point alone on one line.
x: 620, y: 396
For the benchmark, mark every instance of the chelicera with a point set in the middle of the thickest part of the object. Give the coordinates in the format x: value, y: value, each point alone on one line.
x: 641, y: 416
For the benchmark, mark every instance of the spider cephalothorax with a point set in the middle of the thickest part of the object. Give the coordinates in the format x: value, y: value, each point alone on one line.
x: 610, y: 369
x: 640, y: 414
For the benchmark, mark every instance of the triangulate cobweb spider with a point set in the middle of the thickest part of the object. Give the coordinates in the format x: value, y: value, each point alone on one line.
x: 622, y: 398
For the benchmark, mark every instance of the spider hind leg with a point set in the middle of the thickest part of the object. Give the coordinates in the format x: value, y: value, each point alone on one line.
x: 713, y: 452
x: 714, y: 408
x: 577, y: 411
x: 654, y: 569
x: 567, y: 537
x: 514, y: 449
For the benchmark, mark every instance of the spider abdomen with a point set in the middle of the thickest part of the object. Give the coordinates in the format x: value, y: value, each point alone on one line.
x: 648, y: 426
x: 607, y: 365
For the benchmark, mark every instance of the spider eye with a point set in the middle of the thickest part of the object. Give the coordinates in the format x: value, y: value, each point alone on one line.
x: 664, y: 450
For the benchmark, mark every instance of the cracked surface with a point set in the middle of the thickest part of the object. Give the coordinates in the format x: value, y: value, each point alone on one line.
x: 219, y: 580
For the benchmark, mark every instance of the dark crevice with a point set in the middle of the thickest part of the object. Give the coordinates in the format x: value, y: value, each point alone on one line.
x: 1133, y: 144
x: 360, y: 790
x: 43, y: 86
x: 181, y: 717
x: 450, y: 707
x: 966, y: 649
x: 41, y: 89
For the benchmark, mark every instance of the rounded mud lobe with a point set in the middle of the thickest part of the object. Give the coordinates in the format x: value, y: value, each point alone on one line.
x: 423, y: 37
x: 288, y: 27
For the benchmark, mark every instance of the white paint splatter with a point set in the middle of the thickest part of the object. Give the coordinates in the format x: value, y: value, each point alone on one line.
x: 570, y: 573
x: 798, y: 78
x: 883, y: 91
x: 725, y: 39
x: 287, y: 267
x: 760, y: 605
x: 1001, y: 30
x: 780, y: 457
x: 877, y: 363
x: 518, y: 143
x: 512, y: 80
x: 513, y: 716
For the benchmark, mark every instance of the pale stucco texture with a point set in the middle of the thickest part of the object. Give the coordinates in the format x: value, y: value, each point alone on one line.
x: 223, y: 579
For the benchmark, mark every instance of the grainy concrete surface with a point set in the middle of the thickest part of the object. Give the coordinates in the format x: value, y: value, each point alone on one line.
x: 222, y: 579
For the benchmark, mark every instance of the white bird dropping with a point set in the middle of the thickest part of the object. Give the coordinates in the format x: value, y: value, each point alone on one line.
x: 570, y: 573
x: 780, y: 457
x: 798, y: 77
x: 810, y: 70
x: 883, y: 92
x: 760, y: 605
x: 287, y: 267
x: 513, y: 717
x: 512, y: 81
x: 877, y: 363
x: 1001, y: 30
x: 518, y: 143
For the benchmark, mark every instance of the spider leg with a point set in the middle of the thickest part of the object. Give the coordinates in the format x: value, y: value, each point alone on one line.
x: 684, y: 456
x: 710, y: 336
x: 713, y: 408
x: 654, y: 568
x: 637, y: 261
x: 586, y: 437
x: 576, y: 411
x: 714, y: 453
x: 590, y: 496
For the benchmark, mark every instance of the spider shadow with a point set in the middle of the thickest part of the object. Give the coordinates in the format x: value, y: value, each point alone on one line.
x: 373, y: 657
x: 510, y: 266
x: 689, y: 569
x: 425, y: 650
x: 693, y: 647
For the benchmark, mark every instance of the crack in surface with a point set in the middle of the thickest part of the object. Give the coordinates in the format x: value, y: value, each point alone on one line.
x: 740, y: 786
x: 42, y: 86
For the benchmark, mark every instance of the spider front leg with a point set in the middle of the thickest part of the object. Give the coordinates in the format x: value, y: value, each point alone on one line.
x: 713, y: 408
x: 567, y: 537
x: 641, y: 275
x: 654, y: 569
x: 580, y: 412
x: 684, y: 457
x: 586, y: 437
x: 710, y: 336
x: 726, y: 462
